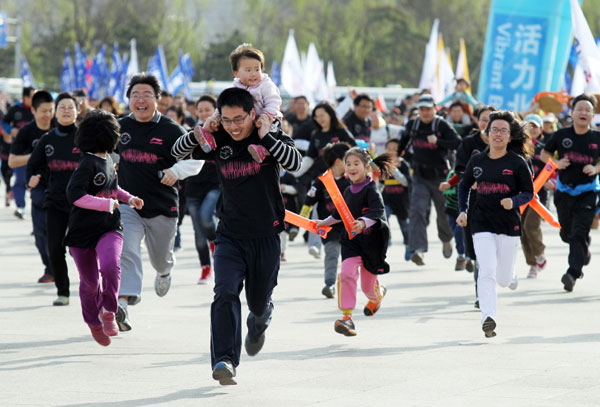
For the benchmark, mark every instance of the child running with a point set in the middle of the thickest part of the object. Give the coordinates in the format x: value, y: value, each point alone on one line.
x: 333, y: 156
x: 503, y: 184
x: 95, y: 235
x: 248, y: 65
x: 367, y: 250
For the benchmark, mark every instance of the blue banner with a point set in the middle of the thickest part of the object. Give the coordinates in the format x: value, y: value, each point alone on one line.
x: 26, y: 74
x: 67, y: 75
x: 80, y: 67
x: 3, y: 29
x: 99, y: 74
x: 526, y: 51
x: 114, y: 79
x: 157, y: 66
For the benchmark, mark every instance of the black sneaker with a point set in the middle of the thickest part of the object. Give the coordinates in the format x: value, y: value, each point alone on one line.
x: 588, y: 258
x: 345, y: 327
x: 328, y: 291
x: 224, y: 373
x: 488, y: 327
x: 476, y: 304
x: 417, y: 258
x: 46, y: 278
x: 469, y: 266
x: 568, y: 282
x: 253, y: 346
x: 122, y: 319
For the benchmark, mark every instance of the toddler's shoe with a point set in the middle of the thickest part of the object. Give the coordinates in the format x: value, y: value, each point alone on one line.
x: 258, y: 152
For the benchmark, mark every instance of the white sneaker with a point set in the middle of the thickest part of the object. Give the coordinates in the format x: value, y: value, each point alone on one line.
x: 162, y: 284
x: 314, y: 251
x: 533, y: 271
x: 514, y: 283
x: 541, y: 261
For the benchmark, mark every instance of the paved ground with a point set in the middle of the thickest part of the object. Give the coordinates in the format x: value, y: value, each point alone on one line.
x: 424, y: 348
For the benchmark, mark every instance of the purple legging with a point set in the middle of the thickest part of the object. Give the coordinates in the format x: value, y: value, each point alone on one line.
x: 105, y: 260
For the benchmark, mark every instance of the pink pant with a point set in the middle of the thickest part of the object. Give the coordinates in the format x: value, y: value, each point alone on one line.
x: 347, y: 284
x: 102, y: 260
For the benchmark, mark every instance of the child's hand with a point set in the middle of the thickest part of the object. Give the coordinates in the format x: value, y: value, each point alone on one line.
x: 358, y: 225
x: 115, y: 205
x: 445, y: 186
x: 320, y: 223
x: 263, y: 124
x: 462, y: 219
x: 211, y: 124
x: 136, y: 202
x: 34, y: 180
x: 507, y: 203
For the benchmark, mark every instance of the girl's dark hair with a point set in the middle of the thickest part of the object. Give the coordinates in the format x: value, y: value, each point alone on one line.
x: 479, y: 111
x: 207, y: 98
x: 384, y: 162
x: 144, y: 79
x: 336, y: 123
x: 519, y: 140
x: 178, y: 111
x: 333, y: 151
x: 98, y: 132
x: 246, y: 51
x: 63, y: 96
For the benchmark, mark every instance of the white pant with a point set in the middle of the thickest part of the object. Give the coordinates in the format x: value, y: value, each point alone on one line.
x: 496, y: 255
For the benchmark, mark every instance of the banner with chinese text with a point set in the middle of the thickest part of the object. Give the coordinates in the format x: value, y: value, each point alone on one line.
x: 526, y: 51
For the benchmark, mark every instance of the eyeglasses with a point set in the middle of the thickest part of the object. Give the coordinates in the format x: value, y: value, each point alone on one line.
x: 588, y: 111
x: 501, y: 131
x: 144, y: 96
x: 237, y: 120
x: 66, y: 107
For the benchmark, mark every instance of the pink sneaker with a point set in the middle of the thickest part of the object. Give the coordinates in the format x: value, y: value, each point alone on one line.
x: 205, y: 139
x: 204, y: 277
x: 109, y: 324
x: 258, y: 152
x: 99, y: 335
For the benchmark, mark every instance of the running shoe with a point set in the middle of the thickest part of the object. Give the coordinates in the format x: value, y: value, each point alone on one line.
x: 345, y: 326
x: 46, y: 278
x: 314, y: 251
x: 533, y: 271
x: 258, y: 152
x: 514, y: 283
x: 109, y: 325
x: 122, y: 316
x: 488, y: 327
x: 372, y: 307
x: 61, y: 300
x: 461, y: 263
x: 224, y: 373
x: 418, y: 258
x: 205, y: 276
x: 540, y: 261
x: 253, y: 346
x: 328, y: 291
x: 568, y: 282
x: 447, y: 250
x: 99, y: 335
x: 162, y: 284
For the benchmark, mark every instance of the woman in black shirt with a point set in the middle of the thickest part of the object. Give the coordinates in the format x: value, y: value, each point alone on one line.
x: 504, y: 183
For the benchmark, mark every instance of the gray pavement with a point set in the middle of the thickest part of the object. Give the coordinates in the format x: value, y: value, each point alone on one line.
x: 424, y: 347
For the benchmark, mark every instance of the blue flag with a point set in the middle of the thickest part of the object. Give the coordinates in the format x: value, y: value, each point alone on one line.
x: 276, y: 74
x: 99, y: 73
x: 3, y: 29
x: 157, y: 66
x: 188, y: 72
x: 122, y: 85
x: 79, y: 67
x: 26, y: 75
x: 67, y: 75
x: 178, y: 79
x: 114, y: 78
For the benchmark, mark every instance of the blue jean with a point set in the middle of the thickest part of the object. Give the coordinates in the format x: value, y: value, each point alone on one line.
x: 19, y: 186
x: 202, y: 211
x: 459, y: 236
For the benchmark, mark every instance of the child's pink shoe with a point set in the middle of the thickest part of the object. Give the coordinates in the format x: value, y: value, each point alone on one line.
x: 258, y: 152
x: 109, y: 324
x: 99, y: 335
x: 205, y: 139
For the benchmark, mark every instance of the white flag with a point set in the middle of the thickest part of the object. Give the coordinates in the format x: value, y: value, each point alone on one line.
x: 292, y: 77
x: 133, y: 67
x: 430, y: 62
x: 331, y: 82
x: 587, y: 51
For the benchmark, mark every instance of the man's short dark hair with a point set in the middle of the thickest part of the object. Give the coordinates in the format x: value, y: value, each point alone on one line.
x: 80, y: 93
x: 144, y: 78
x: 165, y: 94
x: 455, y: 104
x: 584, y: 97
x: 28, y: 90
x: 207, y: 98
x: 235, y: 97
x: 39, y: 97
x: 297, y: 98
x: 66, y: 95
x: 362, y: 96
x: 98, y: 132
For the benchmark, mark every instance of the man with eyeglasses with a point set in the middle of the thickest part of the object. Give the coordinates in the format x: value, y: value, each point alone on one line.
x: 432, y: 139
x: 148, y: 170
x: 251, y: 215
x: 577, y: 186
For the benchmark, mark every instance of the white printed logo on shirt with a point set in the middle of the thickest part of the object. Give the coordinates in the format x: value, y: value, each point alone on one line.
x: 49, y: 150
x: 312, y: 192
x: 567, y: 143
x: 99, y: 179
x: 477, y: 171
x: 125, y: 138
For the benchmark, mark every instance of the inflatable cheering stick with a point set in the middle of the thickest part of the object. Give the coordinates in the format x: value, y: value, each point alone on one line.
x: 310, y: 225
x: 338, y: 200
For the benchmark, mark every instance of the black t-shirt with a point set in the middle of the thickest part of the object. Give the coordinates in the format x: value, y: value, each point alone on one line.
x: 302, y: 131
x: 430, y: 160
x: 396, y: 196
x: 580, y: 149
x: 18, y: 115
x: 250, y: 205
x: 95, y: 176
x: 318, y: 141
x: 371, y: 243
x: 289, y: 200
x: 27, y: 138
x: 470, y: 146
x: 504, y: 177
x: 55, y: 155
x: 537, y: 166
x: 144, y: 151
x: 317, y: 194
x: 360, y: 129
x: 206, y: 180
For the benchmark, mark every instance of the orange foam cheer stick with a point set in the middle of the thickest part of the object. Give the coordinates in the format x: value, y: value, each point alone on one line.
x: 541, y: 210
x: 338, y: 200
x: 310, y: 225
x: 535, y: 203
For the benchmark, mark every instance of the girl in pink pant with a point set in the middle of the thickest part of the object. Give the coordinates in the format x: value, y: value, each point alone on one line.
x: 364, y: 254
x: 95, y: 235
